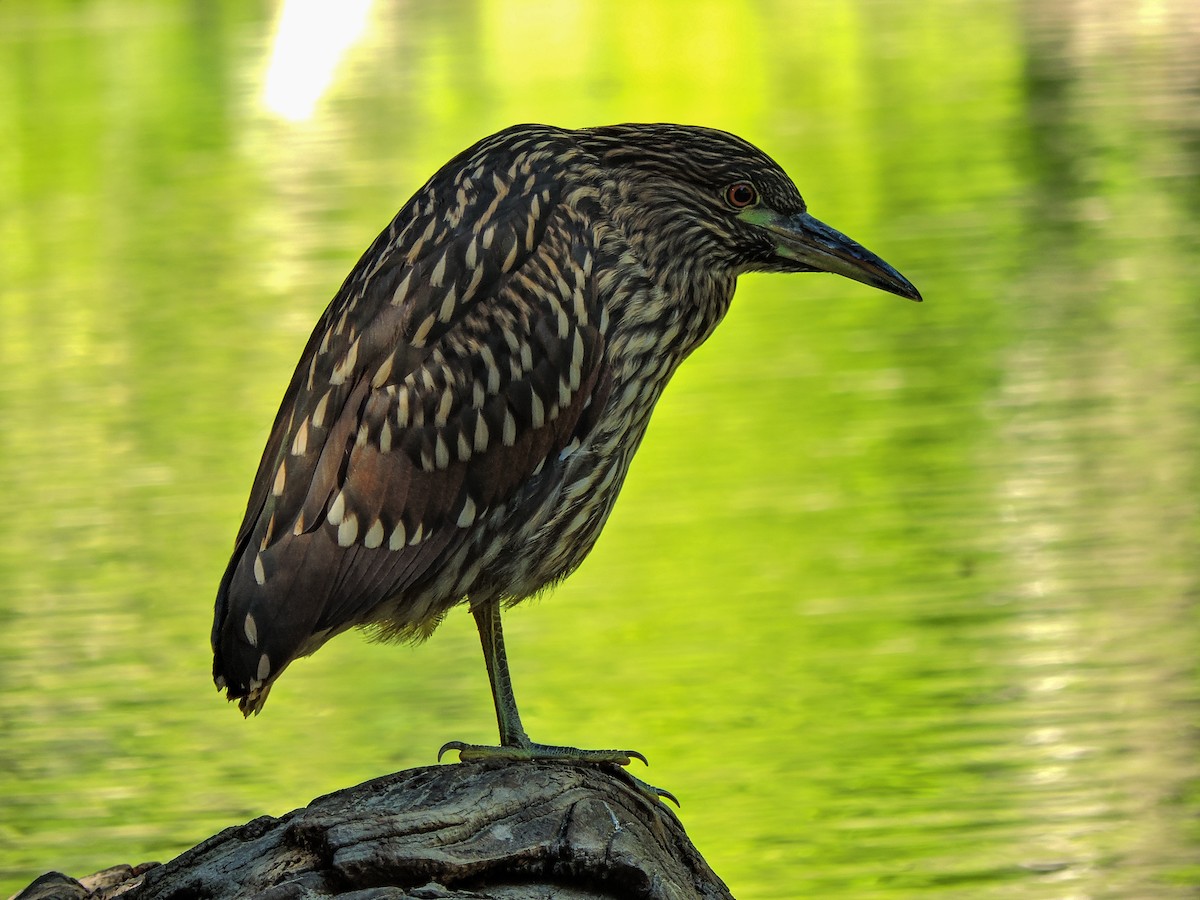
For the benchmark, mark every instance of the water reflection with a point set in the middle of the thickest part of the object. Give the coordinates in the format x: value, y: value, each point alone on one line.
x: 311, y: 40
x: 898, y: 599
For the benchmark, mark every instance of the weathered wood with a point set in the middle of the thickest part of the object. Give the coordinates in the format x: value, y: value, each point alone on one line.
x: 506, y: 831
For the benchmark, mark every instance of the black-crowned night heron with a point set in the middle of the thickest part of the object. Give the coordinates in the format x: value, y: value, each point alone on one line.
x: 462, y: 419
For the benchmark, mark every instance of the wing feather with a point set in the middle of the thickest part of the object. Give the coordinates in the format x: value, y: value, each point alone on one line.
x: 451, y: 366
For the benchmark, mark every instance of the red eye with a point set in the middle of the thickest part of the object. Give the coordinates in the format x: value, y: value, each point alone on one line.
x: 741, y: 194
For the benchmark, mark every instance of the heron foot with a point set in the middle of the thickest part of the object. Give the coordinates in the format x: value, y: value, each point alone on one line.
x: 531, y: 751
x: 540, y: 751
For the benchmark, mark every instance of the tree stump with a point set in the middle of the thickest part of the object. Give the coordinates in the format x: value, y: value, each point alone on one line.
x: 497, y: 830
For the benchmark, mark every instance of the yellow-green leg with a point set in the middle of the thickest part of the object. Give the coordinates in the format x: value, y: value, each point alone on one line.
x: 514, y: 742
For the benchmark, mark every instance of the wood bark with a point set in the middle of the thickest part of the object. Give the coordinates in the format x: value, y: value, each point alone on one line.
x: 497, y: 830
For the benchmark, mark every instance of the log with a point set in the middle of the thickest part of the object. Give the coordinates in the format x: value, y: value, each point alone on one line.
x: 484, y: 829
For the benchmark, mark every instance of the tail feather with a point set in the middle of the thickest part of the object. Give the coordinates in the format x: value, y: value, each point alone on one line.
x: 252, y: 640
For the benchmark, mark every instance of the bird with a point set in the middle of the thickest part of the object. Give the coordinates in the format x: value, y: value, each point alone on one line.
x: 463, y: 416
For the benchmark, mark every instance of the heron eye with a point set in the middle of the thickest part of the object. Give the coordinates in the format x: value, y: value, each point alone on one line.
x: 741, y: 194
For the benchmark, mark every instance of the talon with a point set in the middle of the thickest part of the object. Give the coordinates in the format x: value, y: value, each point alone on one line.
x: 450, y: 746
x: 550, y: 753
x: 541, y: 751
x: 652, y: 791
x: 665, y: 795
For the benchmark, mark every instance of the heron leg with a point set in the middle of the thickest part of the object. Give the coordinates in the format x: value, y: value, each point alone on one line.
x: 514, y: 742
x: 491, y: 636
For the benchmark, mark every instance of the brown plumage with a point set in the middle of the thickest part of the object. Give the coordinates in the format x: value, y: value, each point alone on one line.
x: 464, y: 414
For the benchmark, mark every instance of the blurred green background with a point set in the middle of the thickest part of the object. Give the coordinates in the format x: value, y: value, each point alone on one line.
x: 899, y: 599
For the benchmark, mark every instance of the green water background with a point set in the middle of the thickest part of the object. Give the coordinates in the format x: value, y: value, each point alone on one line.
x: 899, y: 599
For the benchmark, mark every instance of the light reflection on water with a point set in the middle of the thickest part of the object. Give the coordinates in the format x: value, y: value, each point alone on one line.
x: 899, y: 599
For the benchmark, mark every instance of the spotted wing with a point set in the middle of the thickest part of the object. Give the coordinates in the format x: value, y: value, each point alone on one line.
x: 442, y: 377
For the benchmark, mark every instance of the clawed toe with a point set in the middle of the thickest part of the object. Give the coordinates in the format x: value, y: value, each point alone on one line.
x: 540, y: 751
x: 468, y: 752
x: 559, y: 754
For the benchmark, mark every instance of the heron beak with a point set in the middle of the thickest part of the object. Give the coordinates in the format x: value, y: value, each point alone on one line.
x: 813, y: 244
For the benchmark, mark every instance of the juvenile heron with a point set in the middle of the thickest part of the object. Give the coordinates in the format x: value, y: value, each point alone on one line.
x: 460, y: 424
